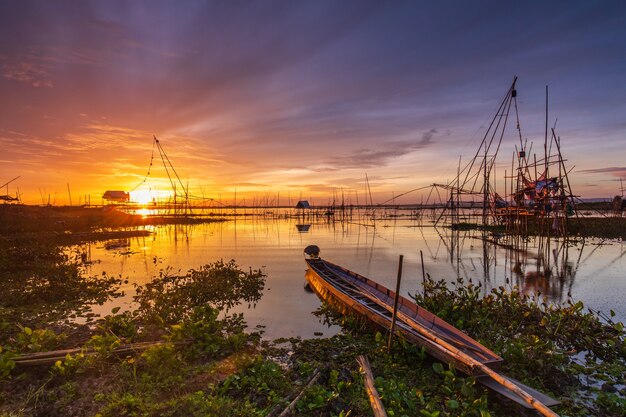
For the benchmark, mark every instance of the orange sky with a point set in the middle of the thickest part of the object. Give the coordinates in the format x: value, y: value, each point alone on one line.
x: 298, y: 99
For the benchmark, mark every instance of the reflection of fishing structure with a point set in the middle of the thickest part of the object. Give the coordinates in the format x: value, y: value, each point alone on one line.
x: 303, y: 228
x: 536, y: 265
x: 116, y: 244
x: 551, y: 274
x: 618, y: 205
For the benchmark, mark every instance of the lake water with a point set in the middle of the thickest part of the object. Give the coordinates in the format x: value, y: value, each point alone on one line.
x: 591, y: 271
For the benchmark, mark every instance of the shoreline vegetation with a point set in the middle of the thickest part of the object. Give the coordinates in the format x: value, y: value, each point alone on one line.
x: 206, y: 362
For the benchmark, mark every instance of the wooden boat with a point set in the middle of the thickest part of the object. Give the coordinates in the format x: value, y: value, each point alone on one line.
x: 353, y: 293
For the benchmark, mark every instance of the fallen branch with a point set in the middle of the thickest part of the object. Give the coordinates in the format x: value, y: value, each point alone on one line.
x: 372, y: 393
x: 50, y: 357
x: 287, y: 411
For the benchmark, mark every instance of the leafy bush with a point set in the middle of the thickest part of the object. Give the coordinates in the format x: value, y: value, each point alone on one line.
x: 38, y: 340
x: 121, y: 325
x: 560, y: 349
x: 6, y: 363
x: 162, y: 365
x: 172, y: 298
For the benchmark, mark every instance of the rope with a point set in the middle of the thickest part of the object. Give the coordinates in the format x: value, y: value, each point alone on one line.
x: 149, y: 169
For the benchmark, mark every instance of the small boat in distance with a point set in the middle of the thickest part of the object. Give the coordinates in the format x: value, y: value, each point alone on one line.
x: 356, y: 294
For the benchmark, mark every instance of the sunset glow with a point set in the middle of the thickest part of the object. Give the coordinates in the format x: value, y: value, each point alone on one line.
x: 299, y: 99
x: 147, y: 197
x: 144, y: 212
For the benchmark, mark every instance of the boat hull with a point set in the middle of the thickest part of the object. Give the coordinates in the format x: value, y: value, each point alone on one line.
x: 327, y: 290
x: 353, y: 293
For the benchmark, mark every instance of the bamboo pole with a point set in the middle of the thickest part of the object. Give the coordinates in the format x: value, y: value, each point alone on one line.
x: 287, y: 411
x: 69, y: 193
x: 423, y: 273
x: 395, y: 303
x: 47, y: 358
x: 372, y: 393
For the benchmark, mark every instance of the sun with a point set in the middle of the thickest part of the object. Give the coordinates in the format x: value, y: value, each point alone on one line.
x: 142, y: 196
x: 146, y: 197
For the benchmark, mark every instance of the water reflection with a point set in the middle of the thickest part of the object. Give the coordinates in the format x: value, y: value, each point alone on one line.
x: 303, y: 228
x: 538, y: 265
x: 556, y: 268
x: 115, y: 244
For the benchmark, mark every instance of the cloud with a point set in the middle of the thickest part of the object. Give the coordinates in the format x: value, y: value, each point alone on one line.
x: 427, y: 139
x: 29, y: 69
x: 257, y: 93
x: 368, y: 158
x: 618, y: 172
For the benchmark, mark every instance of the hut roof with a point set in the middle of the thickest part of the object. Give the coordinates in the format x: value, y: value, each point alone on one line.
x: 303, y: 204
x: 116, y: 196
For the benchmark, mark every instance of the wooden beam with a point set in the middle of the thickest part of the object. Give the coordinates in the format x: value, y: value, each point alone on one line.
x: 372, y: 393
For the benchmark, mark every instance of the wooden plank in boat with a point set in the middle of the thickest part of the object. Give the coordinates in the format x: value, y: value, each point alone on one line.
x: 500, y: 389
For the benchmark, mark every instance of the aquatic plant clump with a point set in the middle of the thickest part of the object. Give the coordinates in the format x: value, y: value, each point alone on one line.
x: 576, y: 355
x: 183, y: 344
x: 40, y: 282
x: 223, y: 285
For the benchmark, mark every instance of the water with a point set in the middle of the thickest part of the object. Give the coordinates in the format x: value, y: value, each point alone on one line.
x: 590, y: 271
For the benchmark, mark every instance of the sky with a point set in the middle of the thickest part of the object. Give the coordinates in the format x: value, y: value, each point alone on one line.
x: 291, y: 99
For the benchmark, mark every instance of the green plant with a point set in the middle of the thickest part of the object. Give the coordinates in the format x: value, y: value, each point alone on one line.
x: 171, y: 298
x: 161, y: 366
x: 72, y: 364
x: 29, y: 340
x: 263, y: 384
x: 103, y: 345
x: 459, y: 396
x: 121, y: 325
x: 202, y: 328
x: 7, y: 364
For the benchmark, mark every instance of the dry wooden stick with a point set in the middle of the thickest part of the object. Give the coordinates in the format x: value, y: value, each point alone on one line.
x: 372, y: 393
x: 48, y: 358
x: 63, y: 352
x: 287, y: 411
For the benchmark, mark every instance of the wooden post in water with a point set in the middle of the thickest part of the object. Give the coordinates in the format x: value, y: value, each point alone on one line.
x: 395, y: 303
x: 423, y: 273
